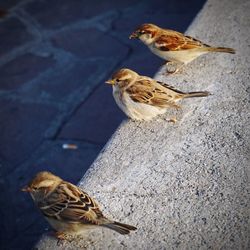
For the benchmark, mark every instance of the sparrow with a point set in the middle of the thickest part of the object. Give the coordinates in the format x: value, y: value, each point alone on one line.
x: 173, y: 46
x: 143, y: 98
x: 67, y: 208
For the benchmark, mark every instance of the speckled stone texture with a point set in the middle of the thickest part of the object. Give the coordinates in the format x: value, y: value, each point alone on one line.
x: 184, y: 185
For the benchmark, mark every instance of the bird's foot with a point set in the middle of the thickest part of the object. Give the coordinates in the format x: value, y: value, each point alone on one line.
x: 61, y: 237
x: 173, y: 67
x: 172, y: 119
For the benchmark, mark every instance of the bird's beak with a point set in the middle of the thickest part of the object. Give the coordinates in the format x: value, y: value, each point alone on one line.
x: 110, y: 81
x: 26, y: 189
x: 134, y: 35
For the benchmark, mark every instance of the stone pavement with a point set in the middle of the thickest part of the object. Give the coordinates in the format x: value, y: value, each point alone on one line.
x: 54, y: 57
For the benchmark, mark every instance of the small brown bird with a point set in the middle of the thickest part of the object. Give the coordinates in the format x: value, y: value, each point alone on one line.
x: 67, y: 208
x: 143, y: 98
x: 173, y: 46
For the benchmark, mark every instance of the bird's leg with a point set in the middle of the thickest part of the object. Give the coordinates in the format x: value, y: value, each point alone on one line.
x: 174, y: 119
x: 180, y: 66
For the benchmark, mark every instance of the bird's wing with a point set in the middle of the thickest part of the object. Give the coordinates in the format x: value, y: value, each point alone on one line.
x: 153, y: 93
x: 69, y: 203
x: 174, y: 41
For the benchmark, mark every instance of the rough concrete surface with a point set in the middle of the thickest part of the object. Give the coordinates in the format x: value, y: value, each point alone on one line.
x: 184, y: 185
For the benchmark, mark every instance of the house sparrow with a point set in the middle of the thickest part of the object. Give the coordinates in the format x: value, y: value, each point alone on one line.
x: 67, y: 208
x: 143, y: 98
x: 173, y: 46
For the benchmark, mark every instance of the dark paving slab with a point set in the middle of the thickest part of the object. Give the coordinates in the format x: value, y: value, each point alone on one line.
x: 63, y: 81
x: 96, y: 119
x: 6, y: 4
x: 22, y: 69
x: 10, y: 30
x: 22, y: 128
x: 57, y: 13
x: 143, y: 63
x: 82, y: 43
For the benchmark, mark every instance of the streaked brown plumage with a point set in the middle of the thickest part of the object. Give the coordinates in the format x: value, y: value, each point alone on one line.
x: 67, y: 208
x: 143, y: 98
x: 173, y: 46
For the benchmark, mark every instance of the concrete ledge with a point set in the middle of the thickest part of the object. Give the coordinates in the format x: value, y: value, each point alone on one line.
x: 184, y: 185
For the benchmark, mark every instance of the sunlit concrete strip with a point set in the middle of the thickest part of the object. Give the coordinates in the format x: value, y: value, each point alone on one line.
x: 184, y: 185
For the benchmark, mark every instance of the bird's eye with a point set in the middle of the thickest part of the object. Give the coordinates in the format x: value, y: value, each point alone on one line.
x: 117, y: 80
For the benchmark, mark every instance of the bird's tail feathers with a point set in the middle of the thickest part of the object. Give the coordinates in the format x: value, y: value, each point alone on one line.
x: 197, y: 94
x: 221, y: 49
x: 120, y: 227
